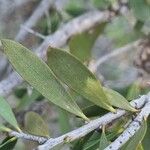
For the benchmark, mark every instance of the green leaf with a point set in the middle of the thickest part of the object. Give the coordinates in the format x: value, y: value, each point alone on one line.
x: 101, y: 4
x: 141, y: 9
x: 81, y: 44
x: 137, y: 138
x: 92, y: 145
x: 27, y: 99
x: 3, y: 128
x: 140, y: 147
x: 7, y: 114
x: 145, y: 141
x: 34, y: 124
x: 93, y: 111
x: 103, y: 141
x: 82, y: 141
x: 117, y: 127
x: 63, y: 119
x: 93, y: 142
x: 111, y: 134
x: 74, y: 74
x: 75, y: 7
x: 55, y: 22
x: 134, y: 91
x: 8, y: 143
x: 118, y: 100
x: 39, y: 75
x: 20, y: 92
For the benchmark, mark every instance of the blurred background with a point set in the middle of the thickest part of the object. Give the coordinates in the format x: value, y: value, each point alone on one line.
x: 117, y: 50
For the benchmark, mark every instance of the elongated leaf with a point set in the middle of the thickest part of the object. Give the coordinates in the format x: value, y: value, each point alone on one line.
x: 8, y: 143
x: 145, y: 141
x: 7, y: 114
x: 73, y: 73
x: 118, y: 126
x: 137, y: 138
x: 103, y: 141
x: 92, y: 145
x: 134, y: 91
x: 39, y: 75
x: 118, y: 100
x: 81, y: 142
x: 3, y: 128
x: 34, y: 124
x: 81, y: 44
x: 63, y: 119
x: 93, y: 142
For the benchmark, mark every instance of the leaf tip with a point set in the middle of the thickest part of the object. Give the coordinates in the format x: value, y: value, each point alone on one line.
x: 4, y: 43
x: 50, y: 48
x: 19, y: 130
x: 135, y: 110
x: 85, y: 118
x: 145, y: 118
x: 132, y: 109
x: 112, y: 109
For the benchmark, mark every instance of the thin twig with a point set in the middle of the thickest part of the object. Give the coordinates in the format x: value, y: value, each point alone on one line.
x: 48, y: 20
x: 92, y: 125
x: 37, y: 14
x: 114, y: 53
x: 7, y: 85
x: 59, y: 38
x: 77, y: 25
x: 131, y: 129
x: 142, y: 103
x: 33, y: 19
x: 33, y: 32
x: 30, y: 137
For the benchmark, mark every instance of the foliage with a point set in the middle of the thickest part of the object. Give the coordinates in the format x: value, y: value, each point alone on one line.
x: 40, y: 76
x: 35, y: 125
x: 66, y: 85
x: 7, y: 114
x: 137, y: 138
